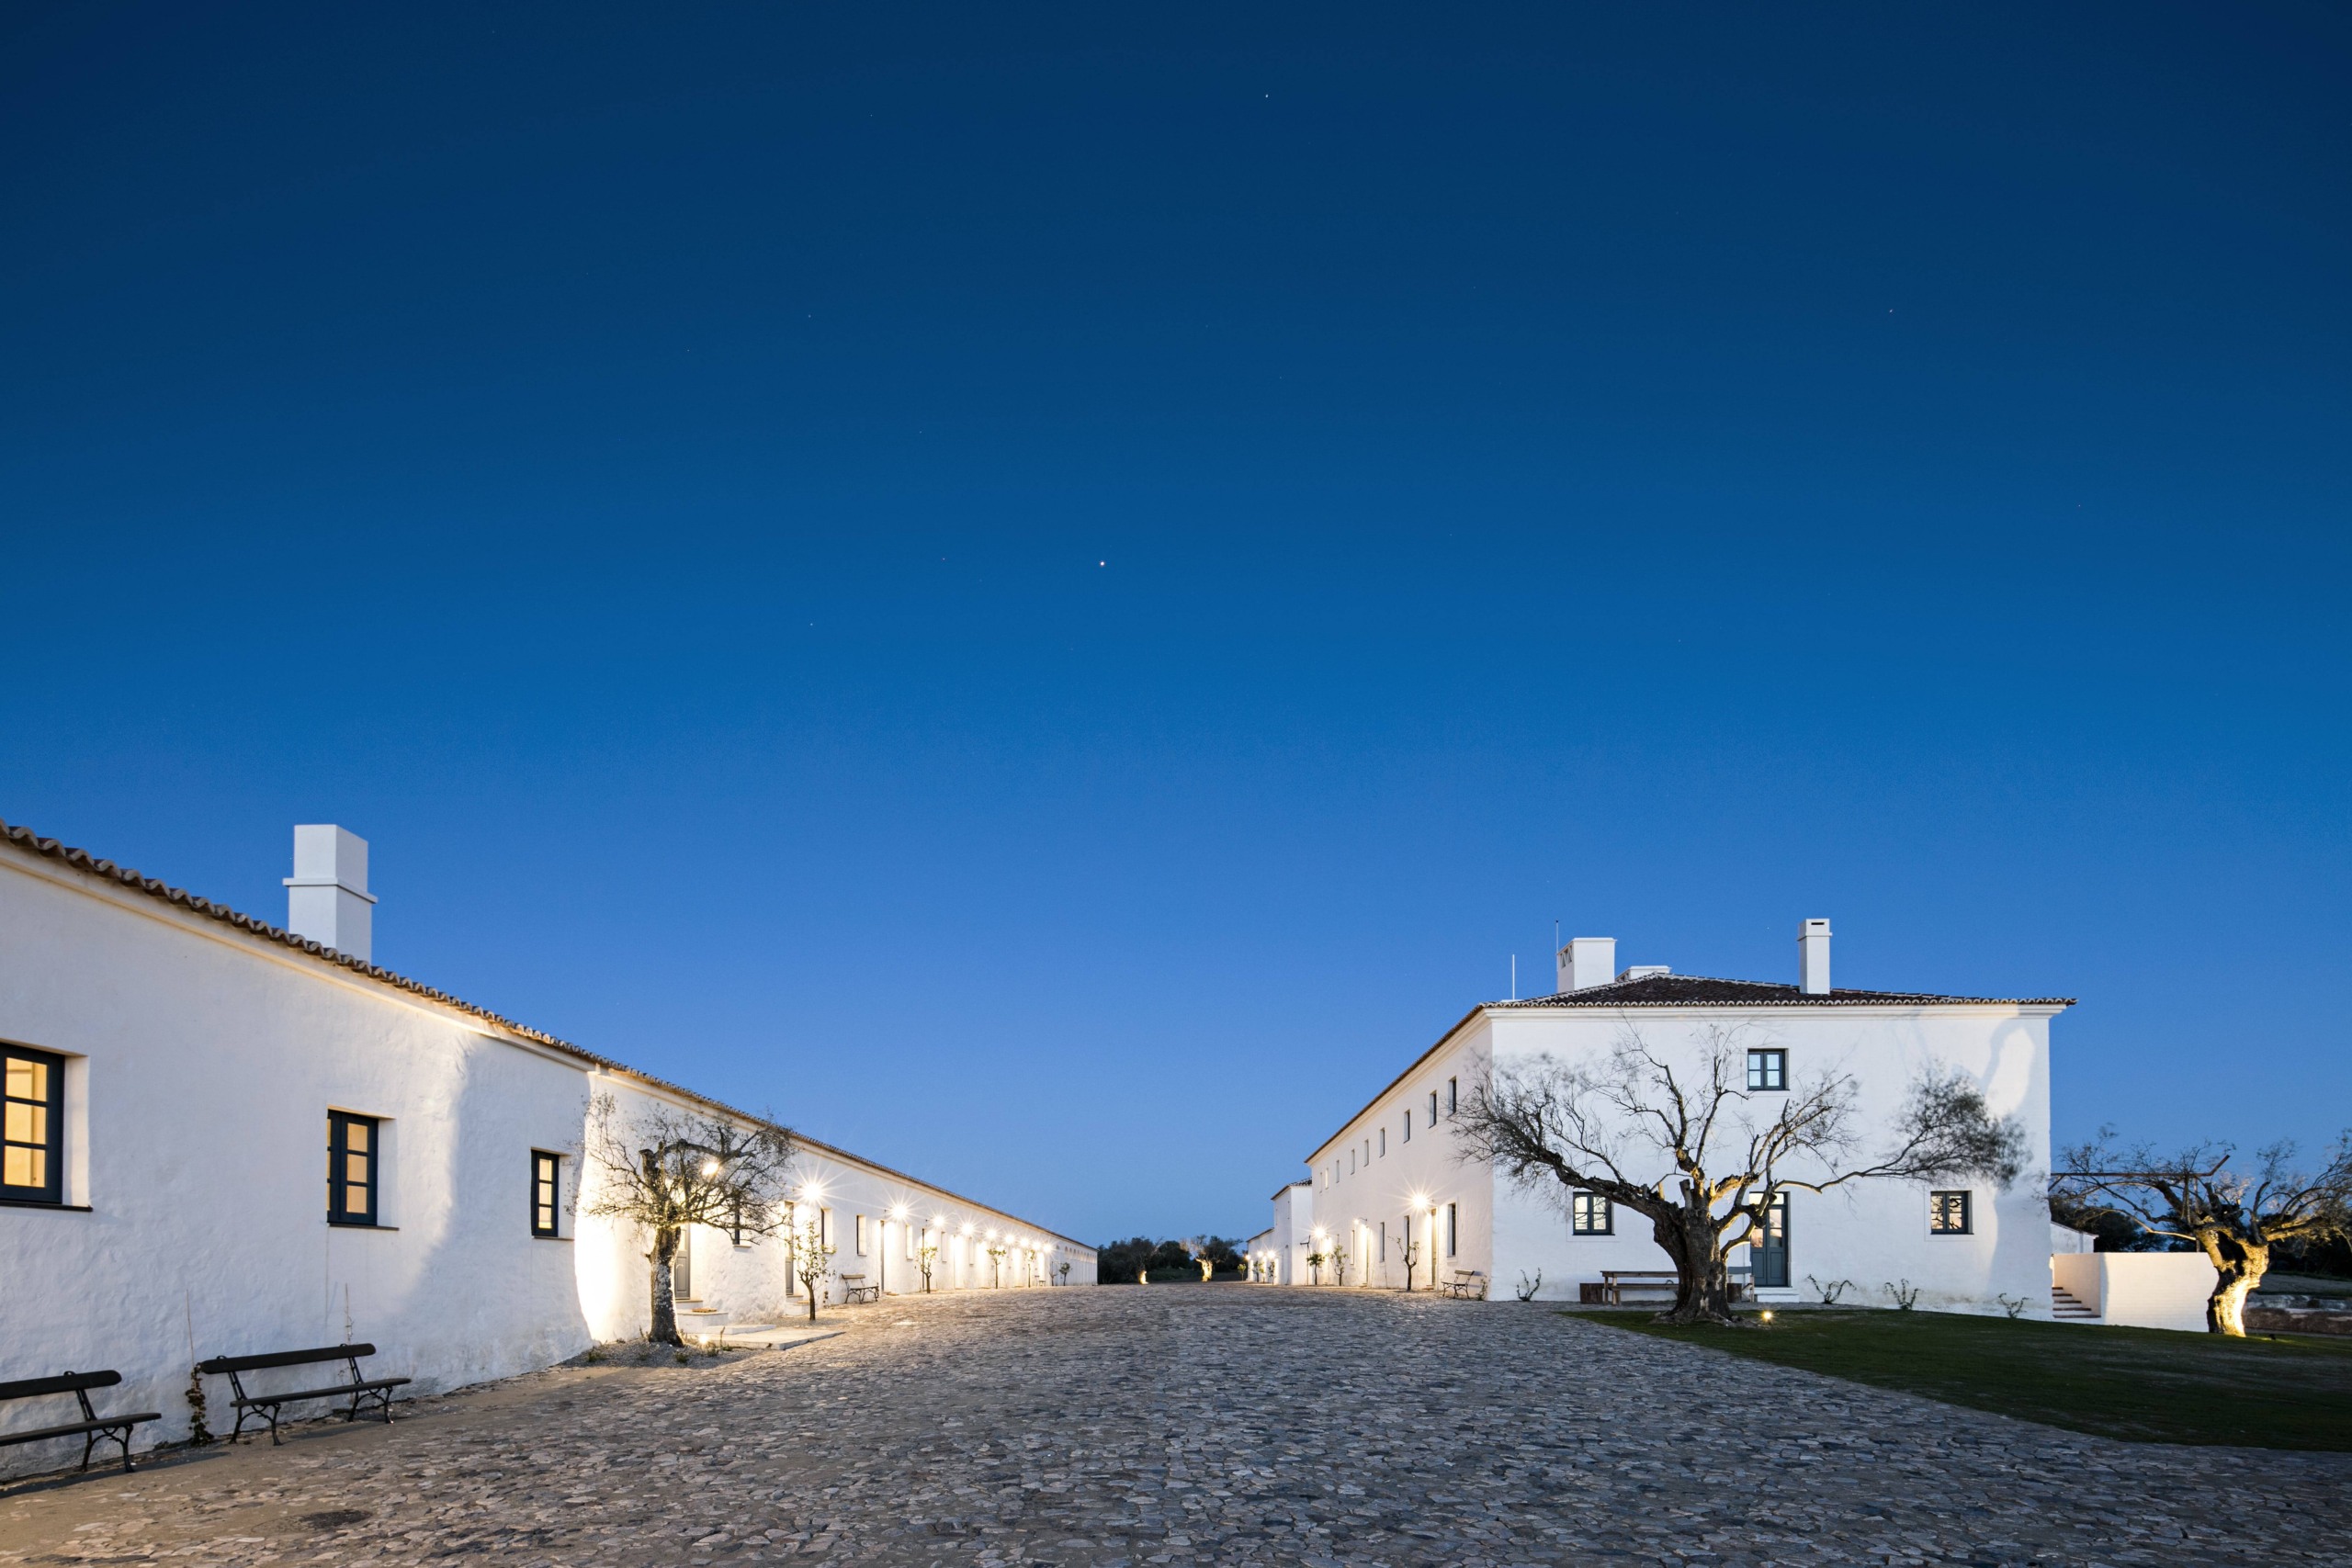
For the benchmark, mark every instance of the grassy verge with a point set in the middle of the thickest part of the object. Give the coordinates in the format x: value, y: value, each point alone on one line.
x: 2143, y: 1384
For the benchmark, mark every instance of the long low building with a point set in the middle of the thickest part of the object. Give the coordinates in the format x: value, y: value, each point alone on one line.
x: 1391, y: 1202
x: 179, y: 1076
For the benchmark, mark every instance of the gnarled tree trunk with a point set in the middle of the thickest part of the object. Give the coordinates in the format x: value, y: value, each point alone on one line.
x: 665, y: 1306
x: 1702, y: 1282
x: 2241, y: 1267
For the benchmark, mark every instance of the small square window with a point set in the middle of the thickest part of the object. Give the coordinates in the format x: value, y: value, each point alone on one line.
x: 1948, y: 1213
x: 1768, y: 1069
x: 547, y: 1186
x: 1590, y: 1213
x: 351, y: 1169
x: 32, y: 1126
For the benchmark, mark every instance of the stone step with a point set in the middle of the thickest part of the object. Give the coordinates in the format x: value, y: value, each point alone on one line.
x: 2065, y: 1304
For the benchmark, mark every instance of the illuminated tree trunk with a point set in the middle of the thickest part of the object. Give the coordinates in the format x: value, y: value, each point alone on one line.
x: 665, y: 1305
x: 2240, y: 1267
x: 1703, y: 1278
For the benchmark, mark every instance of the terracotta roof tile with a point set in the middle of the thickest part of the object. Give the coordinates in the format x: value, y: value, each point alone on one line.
x: 1703, y: 991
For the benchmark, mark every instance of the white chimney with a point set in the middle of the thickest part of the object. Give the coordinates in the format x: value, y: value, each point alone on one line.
x: 326, y: 898
x: 1812, y: 958
x: 1588, y: 961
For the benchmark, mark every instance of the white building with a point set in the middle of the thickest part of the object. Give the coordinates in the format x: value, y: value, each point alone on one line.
x: 1391, y: 1179
x: 178, y: 1077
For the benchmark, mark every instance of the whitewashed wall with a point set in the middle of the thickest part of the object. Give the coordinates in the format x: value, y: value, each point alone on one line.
x: 209, y: 1062
x: 1872, y: 1233
x: 202, y: 1063
x: 1371, y: 1174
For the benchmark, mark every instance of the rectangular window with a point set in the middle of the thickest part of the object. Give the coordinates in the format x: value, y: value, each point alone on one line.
x: 1384, y: 1241
x: 1948, y: 1213
x: 1768, y: 1069
x: 32, y: 1126
x: 546, y: 1185
x: 1592, y: 1214
x: 1408, y: 1126
x: 1453, y: 1228
x: 1352, y: 1162
x: 1453, y: 1096
x: 824, y: 1227
x: 861, y: 1235
x: 351, y: 1169
x: 1367, y: 1151
x: 1432, y: 1108
x: 1384, y: 1143
x: 682, y: 1267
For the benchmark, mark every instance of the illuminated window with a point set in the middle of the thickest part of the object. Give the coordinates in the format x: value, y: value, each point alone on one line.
x: 861, y: 1235
x: 1948, y: 1213
x: 32, y: 1126
x: 1768, y: 1069
x: 351, y: 1169
x: 1592, y: 1214
x: 546, y: 1185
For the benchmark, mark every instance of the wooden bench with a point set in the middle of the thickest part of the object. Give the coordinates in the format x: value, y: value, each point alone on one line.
x: 359, y: 1390
x: 1468, y: 1285
x: 92, y: 1428
x: 1615, y: 1283
x: 854, y: 1289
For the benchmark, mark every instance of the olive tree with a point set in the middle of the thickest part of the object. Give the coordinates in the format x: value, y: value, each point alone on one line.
x: 2234, y: 1217
x: 1676, y: 1135
x: 664, y: 1169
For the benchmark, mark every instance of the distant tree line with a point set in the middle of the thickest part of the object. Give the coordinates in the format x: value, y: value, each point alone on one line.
x: 1166, y: 1262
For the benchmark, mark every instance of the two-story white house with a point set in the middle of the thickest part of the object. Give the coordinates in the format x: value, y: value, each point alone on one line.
x: 1392, y: 1183
x: 222, y: 1137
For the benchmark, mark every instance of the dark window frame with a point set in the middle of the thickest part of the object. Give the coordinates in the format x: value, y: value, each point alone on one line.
x: 339, y: 1155
x: 1938, y: 1213
x: 547, y: 1195
x: 1453, y: 1229
x: 51, y: 1143
x: 1773, y: 1077
x: 1581, y: 1206
x: 1453, y: 1096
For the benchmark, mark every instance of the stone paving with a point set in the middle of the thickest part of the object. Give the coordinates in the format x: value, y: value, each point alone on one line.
x: 1184, y: 1425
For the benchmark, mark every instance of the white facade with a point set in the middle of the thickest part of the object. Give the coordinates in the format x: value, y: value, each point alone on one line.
x: 201, y: 1053
x: 1390, y: 1183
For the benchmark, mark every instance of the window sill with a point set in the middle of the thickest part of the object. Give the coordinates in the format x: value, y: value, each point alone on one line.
x: 358, y: 1225
x: 44, y: 1203
x: 550, y: 1239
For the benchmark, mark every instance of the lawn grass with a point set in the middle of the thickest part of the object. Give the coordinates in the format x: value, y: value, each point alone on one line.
x: 2141, y: 1384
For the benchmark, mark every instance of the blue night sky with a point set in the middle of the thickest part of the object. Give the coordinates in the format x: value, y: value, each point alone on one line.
x: 1052, y: 594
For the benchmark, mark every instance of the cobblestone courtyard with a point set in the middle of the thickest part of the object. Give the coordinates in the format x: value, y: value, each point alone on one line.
x: 1226, y: 1424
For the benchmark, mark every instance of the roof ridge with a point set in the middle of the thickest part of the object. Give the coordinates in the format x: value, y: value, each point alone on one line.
x: 82, y: 860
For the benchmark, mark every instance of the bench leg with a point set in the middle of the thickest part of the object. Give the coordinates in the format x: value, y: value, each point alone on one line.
x: 89, y: 1442
x: 122, y: 1435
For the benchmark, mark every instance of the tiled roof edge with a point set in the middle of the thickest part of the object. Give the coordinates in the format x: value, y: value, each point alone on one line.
x: 83, y: 861
x: 1599, y: 998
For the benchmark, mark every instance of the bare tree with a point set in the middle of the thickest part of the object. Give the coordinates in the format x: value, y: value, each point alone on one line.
x: 808, y: 1256
x: 1412, y: 1251
x: 664, y: 1169
x: 1679, y: 1139
x: 2233, y: 1217
x: 926, y: 1259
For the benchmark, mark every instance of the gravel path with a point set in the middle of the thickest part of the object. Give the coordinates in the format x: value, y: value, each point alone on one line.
x: 1178, y: 1424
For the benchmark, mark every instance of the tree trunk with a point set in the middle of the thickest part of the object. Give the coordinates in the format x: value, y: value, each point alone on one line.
x: 811, y: 1284
x: 2240, y: 1267
x: 1702, y: 1283
x: 666, y: 1308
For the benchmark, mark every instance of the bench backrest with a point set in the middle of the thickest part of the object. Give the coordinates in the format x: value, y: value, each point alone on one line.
x: 64, y: 1383
x: 283, y: 1359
